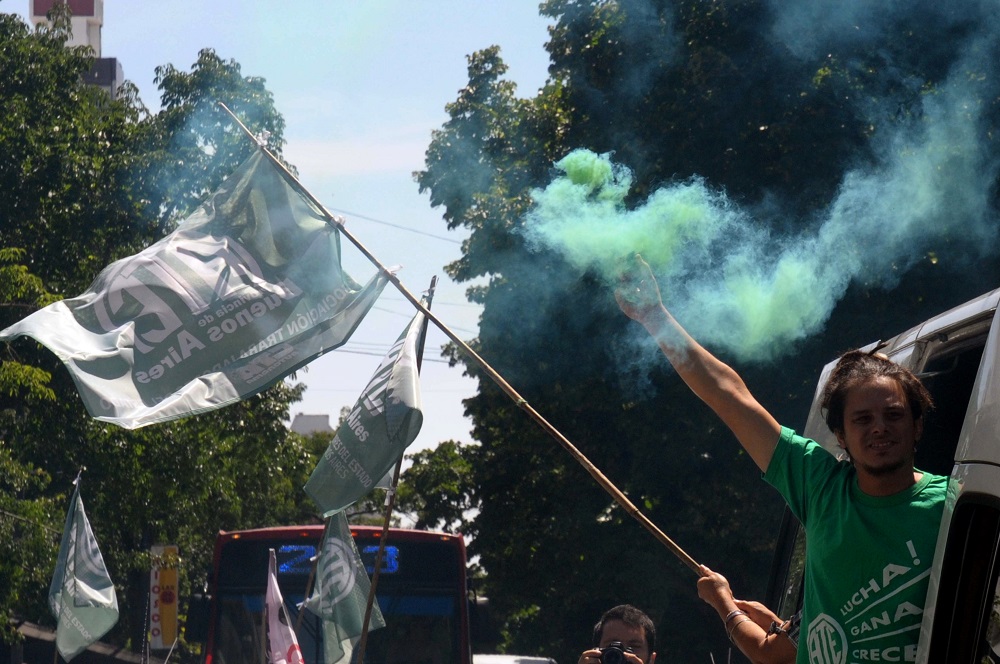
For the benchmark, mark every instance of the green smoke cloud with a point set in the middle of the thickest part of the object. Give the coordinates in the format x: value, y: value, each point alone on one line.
x: 584, y: 214
x: 736, y: 286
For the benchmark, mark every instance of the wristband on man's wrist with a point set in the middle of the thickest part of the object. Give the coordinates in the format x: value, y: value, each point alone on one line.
x: 736, y: 624
x: 733, y: 614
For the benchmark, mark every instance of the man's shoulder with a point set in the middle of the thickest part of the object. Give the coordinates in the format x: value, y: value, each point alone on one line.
x: 791, y: 443
x: 935, y: 486
x: 803, y: 457
x: 789, y: 436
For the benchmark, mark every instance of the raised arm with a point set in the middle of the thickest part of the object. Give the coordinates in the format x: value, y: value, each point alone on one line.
x: 715, y: 382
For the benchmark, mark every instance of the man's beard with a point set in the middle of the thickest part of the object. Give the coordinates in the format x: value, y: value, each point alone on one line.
x: 885, y: 469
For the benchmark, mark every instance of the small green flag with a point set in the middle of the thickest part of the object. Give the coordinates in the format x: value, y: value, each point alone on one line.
x: 340, y: 595
x: 382, y: 424
x: 82, y: 596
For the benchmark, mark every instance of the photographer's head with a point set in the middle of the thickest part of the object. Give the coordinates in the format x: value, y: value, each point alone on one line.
x: 624, y: 633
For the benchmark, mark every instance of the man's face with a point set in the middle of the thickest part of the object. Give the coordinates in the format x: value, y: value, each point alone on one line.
x: 631, y: 637
x: 879, y: 432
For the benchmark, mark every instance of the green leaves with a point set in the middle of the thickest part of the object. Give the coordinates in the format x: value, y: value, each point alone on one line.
x: 86, y: 180
x: 30, y: 527
x: 676, y: 89
x: 196, y: 141
x: 438, y: 487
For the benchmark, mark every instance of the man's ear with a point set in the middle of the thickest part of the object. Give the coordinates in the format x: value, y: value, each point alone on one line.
x: 918, y: 429
x: 839, y: 433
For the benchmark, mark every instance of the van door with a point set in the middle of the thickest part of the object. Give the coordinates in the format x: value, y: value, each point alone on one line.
x: 961, y: 623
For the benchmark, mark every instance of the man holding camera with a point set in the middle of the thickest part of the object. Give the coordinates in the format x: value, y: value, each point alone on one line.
x: 623, y: 635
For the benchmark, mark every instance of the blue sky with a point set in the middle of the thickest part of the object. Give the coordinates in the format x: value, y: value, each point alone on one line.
x: 361, y: 85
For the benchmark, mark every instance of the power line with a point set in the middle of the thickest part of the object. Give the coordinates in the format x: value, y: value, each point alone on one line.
x: 354, y: 391
x: 410, y: 315
x: 437, y: 303
x: 382, y: 354
x: 404, y: 228
x: 27, y: 520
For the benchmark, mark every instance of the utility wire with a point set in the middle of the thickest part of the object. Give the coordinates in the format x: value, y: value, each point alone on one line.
x: 409, y: 315
x: 447, y: 304
x: 404, y: 228
x: 379, y: 354
x: 27, y: 520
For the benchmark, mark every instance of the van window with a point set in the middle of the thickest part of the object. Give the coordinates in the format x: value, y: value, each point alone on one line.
x: 950, y: 377
x: 785, y: 586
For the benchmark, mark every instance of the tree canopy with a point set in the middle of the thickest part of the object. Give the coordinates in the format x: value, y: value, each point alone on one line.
x: 86, y: 180
x: 796, y: 117
x: 787, y: 115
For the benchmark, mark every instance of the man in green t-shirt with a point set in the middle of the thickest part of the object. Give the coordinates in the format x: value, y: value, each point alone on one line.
x: 871, y: 522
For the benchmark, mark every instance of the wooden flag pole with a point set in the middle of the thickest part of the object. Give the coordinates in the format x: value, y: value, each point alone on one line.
x: 390, y: 499
x: 521, y: 402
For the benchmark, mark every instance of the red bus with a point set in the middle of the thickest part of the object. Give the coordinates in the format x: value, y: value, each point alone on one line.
x: 421, y: 591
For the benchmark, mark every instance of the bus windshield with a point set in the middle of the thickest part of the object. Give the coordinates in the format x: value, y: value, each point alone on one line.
x: 421, y: 591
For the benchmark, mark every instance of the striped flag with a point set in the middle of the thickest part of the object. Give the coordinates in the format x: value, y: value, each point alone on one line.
x: 82, y: 596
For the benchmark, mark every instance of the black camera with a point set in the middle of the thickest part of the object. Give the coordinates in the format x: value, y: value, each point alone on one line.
x: 614, y: 653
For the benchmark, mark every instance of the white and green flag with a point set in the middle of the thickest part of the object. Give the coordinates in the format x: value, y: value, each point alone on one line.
x: 340, y: 594
x: 82, y: 596
x: 248, y: 289
x: 282, y: 646
x: 382, y: 424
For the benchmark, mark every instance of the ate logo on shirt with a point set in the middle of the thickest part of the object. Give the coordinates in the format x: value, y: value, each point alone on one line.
x: 826, y: 641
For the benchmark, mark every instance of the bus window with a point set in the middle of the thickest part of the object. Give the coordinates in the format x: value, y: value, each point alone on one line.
x: 421, y: 592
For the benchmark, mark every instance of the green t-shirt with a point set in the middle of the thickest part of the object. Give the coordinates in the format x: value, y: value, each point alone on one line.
x: 868, y: 558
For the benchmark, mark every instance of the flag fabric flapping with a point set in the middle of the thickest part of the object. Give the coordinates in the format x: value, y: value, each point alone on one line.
x: 82, y: 596
x: 382, y: 424
x: 340, y: 594
x: 246, y: 290
x: 283, y: 647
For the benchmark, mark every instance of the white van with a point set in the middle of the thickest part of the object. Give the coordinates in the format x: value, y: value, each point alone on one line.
x: 511, y: 659
x: 957, y: 354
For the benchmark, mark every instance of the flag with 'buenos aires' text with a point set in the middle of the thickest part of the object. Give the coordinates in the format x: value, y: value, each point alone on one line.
x: 382, y: 424
x: 82, y: 597
x: 246, y: 290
